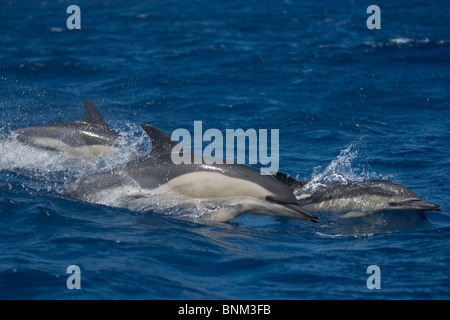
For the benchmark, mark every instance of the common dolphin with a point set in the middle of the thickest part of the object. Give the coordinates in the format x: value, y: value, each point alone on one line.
x: 229, y: 189
x: 356, y: 198
x: 86, y: 138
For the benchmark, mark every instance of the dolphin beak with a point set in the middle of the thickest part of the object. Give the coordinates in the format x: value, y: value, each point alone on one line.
x: 294, y: 210
x: 300, y: 213
x: 417, y: 205
x: 427, y: 206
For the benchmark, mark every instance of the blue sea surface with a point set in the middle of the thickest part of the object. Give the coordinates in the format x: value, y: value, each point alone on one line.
x: 349, y: 102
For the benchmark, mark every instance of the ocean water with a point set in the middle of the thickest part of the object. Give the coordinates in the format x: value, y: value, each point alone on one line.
x: 350, y: 104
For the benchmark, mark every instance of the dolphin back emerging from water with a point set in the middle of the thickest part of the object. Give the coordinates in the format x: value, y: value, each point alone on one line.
x: 86, y: 138
x: 356, y: 198
x: 229, y: 189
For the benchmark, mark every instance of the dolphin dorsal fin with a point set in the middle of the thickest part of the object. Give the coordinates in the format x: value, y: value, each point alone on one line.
x: 161, y: 141
x: 288, y: 180
x: 92, y: 114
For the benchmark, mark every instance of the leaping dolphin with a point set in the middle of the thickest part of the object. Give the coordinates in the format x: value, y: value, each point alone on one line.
x: 86, y: 138
x: 230, y: 189
x: 356, y: 198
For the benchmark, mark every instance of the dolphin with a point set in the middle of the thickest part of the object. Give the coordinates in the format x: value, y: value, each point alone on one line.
x: 356, y: 198
x: 227, y: 189
x: 86, y: 138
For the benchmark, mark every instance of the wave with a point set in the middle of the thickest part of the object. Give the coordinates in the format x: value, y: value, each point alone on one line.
x: 401, y: 42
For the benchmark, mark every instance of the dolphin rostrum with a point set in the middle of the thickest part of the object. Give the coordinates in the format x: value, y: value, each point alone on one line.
x: 228, y: 190
x: 356, y: 198
x: 86, y: 138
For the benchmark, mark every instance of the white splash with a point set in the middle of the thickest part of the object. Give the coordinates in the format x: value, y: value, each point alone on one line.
x: 345, y: 168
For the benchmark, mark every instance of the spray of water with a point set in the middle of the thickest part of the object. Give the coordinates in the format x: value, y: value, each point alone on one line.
x: 345, y: 168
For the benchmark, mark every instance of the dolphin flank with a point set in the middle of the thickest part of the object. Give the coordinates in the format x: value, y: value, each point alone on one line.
x: 232, y: 189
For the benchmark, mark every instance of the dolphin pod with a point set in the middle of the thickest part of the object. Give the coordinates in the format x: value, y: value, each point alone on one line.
x: 228, y: 189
